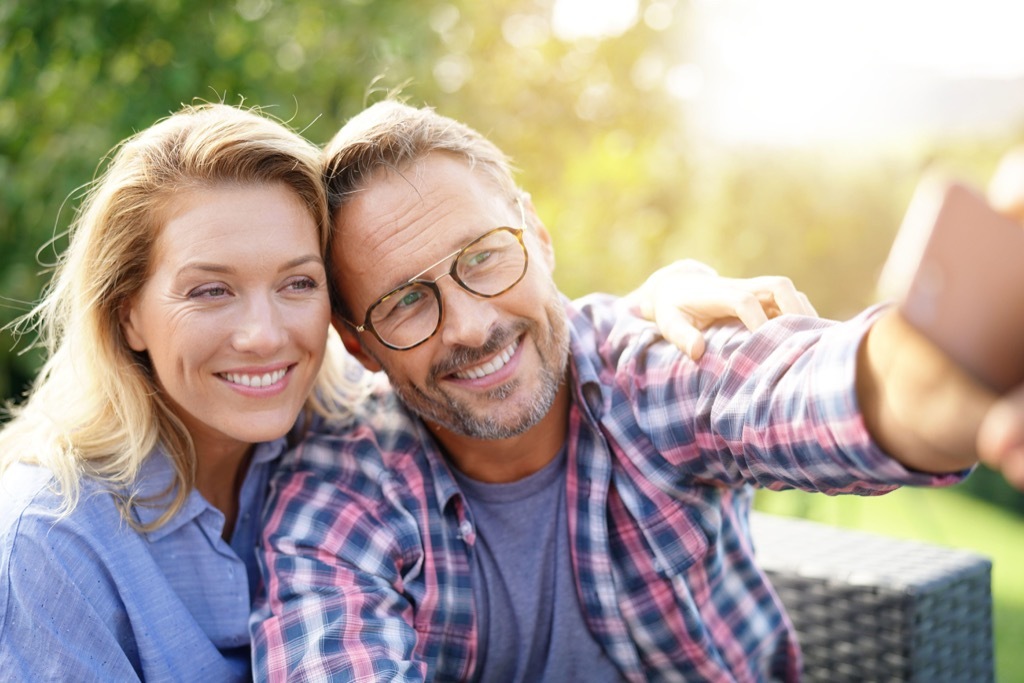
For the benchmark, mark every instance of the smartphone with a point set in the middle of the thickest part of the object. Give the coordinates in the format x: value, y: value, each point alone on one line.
x: 956, y: 271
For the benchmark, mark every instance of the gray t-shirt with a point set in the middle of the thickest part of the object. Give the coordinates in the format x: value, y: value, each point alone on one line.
x: 528, y: 609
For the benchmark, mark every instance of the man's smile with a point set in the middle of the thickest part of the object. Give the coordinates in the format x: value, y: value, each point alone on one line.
x: 491, y: 366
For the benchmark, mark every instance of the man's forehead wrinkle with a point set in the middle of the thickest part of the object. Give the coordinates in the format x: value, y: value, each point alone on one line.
x: 399, y: 171
x: 406, y: 218
x: 397, y: 223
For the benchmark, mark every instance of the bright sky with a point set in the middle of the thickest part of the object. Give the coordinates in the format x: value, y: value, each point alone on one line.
x: 792, y: 71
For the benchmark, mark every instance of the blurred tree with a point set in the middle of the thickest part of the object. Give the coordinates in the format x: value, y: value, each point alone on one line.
x: 78, y: 76
x: 602, y: 156
x: 598, y: 127
x: 593, y: 124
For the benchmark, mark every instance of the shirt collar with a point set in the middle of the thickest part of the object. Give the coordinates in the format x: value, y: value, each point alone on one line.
x: 445, y: 486
x: 583, y: 363
x: 153, y: 488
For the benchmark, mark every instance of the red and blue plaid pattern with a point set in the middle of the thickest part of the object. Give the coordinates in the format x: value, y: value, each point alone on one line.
x: 368, y: 542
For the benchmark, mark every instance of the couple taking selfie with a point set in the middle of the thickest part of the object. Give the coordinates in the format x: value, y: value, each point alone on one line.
x: 471, y: 478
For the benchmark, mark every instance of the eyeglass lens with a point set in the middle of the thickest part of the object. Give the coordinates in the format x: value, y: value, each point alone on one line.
x: 486, y: 267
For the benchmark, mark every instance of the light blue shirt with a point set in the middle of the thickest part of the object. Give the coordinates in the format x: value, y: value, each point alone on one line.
x: 87, y: 598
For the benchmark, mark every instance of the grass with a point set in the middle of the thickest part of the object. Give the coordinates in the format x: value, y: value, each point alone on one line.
x: 947, y: 517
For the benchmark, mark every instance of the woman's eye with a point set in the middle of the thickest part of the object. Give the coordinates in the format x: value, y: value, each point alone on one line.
x: 208, y: 292
x: 302, y: 284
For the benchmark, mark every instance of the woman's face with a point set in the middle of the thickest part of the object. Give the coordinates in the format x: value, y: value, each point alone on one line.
x: 234, y: 314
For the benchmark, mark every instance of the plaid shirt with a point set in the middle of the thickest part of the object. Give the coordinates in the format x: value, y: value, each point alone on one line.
x: 368, y: 542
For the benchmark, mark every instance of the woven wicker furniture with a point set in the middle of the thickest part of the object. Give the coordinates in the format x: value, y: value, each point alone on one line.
x: 873, y: 608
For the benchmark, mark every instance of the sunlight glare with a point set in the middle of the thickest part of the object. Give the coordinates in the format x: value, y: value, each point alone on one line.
x: 793, y: 71
x: 575, y: 19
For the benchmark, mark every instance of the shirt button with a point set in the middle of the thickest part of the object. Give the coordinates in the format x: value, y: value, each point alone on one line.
x: 465, y: 529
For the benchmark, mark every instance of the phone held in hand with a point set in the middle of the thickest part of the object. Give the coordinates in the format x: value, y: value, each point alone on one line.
x: 956, y: 271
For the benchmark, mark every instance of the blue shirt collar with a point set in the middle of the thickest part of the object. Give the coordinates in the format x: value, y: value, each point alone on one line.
x: 155, y: 478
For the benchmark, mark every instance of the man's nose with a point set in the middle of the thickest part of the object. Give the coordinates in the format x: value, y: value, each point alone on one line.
x: 468, y: 318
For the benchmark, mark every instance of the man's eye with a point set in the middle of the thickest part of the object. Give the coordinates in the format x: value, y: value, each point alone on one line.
x: 477, y: 258
x: 410, y: 299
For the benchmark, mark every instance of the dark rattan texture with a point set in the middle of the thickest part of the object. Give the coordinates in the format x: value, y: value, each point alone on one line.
x: 872, y: 608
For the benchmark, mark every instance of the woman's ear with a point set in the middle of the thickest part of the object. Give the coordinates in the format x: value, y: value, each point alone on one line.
x: 352, y: 344
x: 131, y: 326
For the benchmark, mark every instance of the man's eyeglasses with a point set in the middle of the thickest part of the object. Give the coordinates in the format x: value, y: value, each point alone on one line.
x: 411, y: 313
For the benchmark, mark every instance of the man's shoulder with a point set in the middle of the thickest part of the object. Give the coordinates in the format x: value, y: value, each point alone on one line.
x: 365, y: 477
x: 609, y: 327
x: 600, y: 321
x: 381, y: 436
x: 610, y: 339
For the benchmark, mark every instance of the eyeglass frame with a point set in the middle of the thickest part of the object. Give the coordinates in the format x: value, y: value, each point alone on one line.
x: 417, y: 279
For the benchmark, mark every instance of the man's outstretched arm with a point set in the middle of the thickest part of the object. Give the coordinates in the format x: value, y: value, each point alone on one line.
x: 919, y: 406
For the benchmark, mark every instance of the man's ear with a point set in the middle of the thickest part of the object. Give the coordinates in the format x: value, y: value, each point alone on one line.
x: 350, y: 339
x: 130, y: 326
x: 536, y: 226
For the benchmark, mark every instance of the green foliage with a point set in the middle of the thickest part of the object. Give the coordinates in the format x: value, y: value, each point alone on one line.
x: 615, y: 172
x: 76, y: 77
x: 603, y: 147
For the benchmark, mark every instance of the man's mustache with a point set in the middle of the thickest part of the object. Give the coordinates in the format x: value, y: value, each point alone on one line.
x: 462, y: 356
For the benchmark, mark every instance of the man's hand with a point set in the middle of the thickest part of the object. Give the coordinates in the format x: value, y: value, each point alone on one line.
x: 1001, y: 438
x: 686, y: 297
x: 947, y: 416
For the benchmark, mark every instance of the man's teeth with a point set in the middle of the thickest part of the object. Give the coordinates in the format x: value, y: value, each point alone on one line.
x: 264, y: 380
x: 493, y: 365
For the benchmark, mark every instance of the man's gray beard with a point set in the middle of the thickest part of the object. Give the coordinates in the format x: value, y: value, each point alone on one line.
x: 456, y: 418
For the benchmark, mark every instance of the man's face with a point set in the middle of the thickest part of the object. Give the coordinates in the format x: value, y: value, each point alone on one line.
x: 494, y: 366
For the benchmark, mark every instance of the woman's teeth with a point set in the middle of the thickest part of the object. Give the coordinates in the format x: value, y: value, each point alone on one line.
x: 264, y: 380
x: 491, y: 366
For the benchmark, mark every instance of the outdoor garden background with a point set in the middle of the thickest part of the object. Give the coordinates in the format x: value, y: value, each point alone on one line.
x: 761, y: 137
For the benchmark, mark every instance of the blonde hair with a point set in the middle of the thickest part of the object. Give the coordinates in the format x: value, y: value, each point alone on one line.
x: 94, y: 409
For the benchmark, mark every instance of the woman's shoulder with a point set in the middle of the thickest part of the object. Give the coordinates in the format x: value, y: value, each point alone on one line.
x: 32, y: 507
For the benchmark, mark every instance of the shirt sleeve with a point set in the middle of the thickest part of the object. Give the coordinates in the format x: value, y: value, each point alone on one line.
x: 333, y: 569
x: 776, y: 408
x: 60, y: 615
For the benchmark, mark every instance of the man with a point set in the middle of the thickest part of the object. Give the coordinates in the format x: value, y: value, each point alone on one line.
x: 556, y: 493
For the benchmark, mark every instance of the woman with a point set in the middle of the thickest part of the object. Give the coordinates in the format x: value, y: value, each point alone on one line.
x: 186, y: 329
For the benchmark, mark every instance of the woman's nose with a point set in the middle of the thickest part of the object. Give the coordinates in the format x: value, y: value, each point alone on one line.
x: 261, y: 330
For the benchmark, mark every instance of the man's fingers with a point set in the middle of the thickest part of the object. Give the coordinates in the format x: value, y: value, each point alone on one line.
x: 678, y: 327
x: 1006, y: 188
x: 749, y: 309
x: 778, y: 295
x: 1001, y: 438
x: 806, y: 306
x: 1013, y: 468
